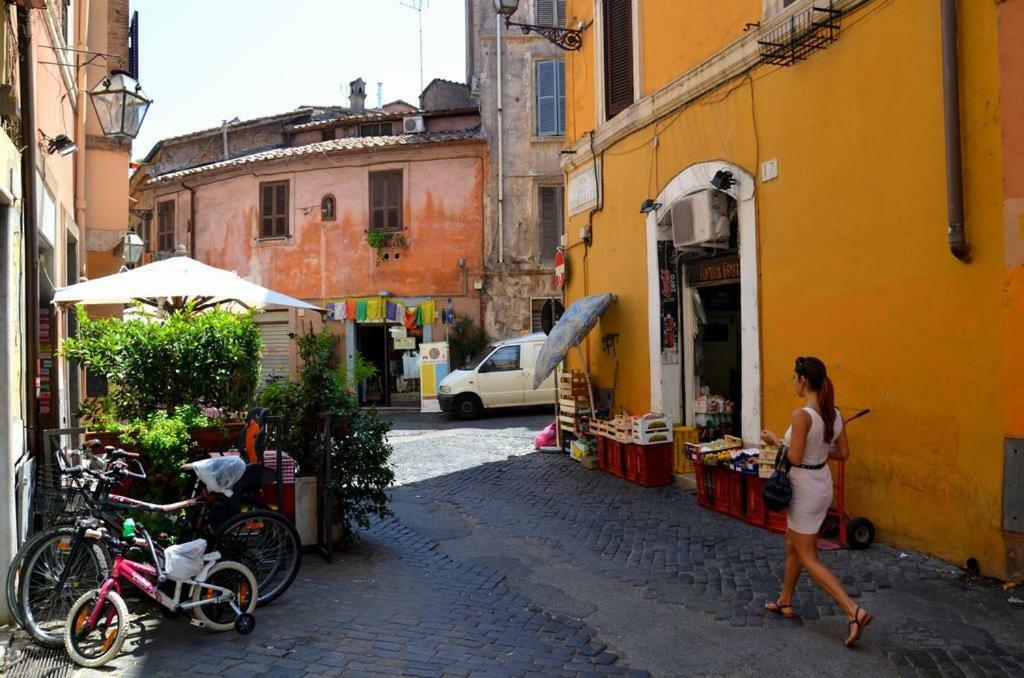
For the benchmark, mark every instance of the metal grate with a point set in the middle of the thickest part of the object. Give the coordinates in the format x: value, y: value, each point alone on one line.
x: 25, y: 660
x: 806, y: 32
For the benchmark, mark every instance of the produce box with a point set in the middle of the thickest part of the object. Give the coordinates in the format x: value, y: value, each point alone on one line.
x: 652, y: 438
x: 572, y: 385
x: 755, y: 513
x: 682, y: 462
x: 643, y: 426
x: 704, y: 476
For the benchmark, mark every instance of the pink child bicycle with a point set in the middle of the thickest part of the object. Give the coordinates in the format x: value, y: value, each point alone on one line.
x: 223, y: 594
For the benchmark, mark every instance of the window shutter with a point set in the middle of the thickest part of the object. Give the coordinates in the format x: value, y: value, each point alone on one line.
x: 394, y: 200
x: 281, y: 210
x: 547, y: 99
x: 618, y: 55
x: 546, y: 12
x: 550, y: 222
x: 560, y: 94
x: 560, y: 12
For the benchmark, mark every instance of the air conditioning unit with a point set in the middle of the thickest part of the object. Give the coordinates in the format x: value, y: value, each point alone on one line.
x: 413, y: 124
x: 701, y: 219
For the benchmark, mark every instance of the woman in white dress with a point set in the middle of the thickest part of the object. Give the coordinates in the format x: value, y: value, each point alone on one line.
x: 815, y: 435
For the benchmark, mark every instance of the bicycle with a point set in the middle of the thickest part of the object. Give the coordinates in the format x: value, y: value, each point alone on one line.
x: 223, y: 595
x: 53, y: 573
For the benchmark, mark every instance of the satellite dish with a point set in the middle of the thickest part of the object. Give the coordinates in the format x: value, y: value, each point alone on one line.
x: 550, y: 314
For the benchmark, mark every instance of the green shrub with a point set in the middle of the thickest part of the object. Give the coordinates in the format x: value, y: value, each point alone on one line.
x: 209, y: 358
x: 466, y: 340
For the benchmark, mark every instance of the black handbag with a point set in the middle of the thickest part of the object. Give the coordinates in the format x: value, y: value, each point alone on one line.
x: 778, y: 491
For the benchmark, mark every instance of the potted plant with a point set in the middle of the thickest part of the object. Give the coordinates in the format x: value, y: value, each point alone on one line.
x: 382, y: 240
x: 356, y: 446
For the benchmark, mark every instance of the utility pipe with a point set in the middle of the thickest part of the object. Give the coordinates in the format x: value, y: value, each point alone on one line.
x: 26, y: 81
x: 501, y: 166
x: 957, y: 240
x: 81, y: 84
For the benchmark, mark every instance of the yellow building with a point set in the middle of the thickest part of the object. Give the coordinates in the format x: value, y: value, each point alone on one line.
x: 823, y: 124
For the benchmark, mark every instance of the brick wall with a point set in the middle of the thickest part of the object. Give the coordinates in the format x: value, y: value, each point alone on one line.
x: 118, y: 17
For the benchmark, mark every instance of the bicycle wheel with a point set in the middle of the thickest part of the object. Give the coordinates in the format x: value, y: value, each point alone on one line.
x: 13, y: 591
x: 268, y: 544
x: 234, y: 577
x: 44, y: 607
x: 92, y: 647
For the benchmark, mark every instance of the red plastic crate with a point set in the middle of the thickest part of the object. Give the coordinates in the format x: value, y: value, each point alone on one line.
x: 776, y: 521
x: 649, y: 465
x: 602, y: 453
x: 756, y: 512
x: 736, y: 491
x: 704, y: 475
x: 720, y: 490
x: 611, y: 456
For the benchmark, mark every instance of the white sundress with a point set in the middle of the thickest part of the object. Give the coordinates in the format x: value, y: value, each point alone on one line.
x: 812, y: 488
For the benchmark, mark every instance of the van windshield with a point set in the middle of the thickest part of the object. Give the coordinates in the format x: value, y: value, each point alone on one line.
x: 473, y: 362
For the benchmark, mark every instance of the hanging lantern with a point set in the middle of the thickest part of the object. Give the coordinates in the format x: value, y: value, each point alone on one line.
x: 120, y: 105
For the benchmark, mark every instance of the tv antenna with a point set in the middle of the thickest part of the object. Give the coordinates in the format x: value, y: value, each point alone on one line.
x: 417, y: 6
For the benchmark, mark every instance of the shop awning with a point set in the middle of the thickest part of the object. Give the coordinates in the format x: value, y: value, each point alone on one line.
x: 569, y: 331
x: 174, y: 282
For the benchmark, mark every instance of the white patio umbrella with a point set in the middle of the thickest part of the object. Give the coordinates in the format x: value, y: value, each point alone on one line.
x: 174, y: 282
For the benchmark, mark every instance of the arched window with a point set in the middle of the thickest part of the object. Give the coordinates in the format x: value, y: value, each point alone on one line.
x: 327, y: 208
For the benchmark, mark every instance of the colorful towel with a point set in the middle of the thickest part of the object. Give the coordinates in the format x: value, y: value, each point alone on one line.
x: 392, y: 313
x: 425, y: 313
x: 361, y: 311
x: 350, y: 309
x: 375, y: 309
x: 410, y: 317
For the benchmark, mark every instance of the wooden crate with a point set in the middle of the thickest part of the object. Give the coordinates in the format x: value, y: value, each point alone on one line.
x: 572, y: 385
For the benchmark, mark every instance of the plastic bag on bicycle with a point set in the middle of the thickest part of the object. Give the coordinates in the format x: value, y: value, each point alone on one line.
x: 184, y: 561
x: 220, y: 473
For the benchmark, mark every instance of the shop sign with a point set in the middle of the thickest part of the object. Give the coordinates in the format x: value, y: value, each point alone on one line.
x: 405, y: 343
x: 714, y: 271
x: 668, y: 284
x: 561, y: 270
x: 433, y: 368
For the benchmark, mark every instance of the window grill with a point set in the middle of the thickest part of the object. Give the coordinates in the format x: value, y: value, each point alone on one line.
x: 805, y: 32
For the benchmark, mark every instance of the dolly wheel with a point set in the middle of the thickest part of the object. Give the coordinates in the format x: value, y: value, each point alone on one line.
x: 245, y: 623
x: 860, y: 533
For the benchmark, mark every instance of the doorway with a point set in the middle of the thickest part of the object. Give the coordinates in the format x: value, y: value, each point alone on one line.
x: 372, y: 344
x: 717, y: 361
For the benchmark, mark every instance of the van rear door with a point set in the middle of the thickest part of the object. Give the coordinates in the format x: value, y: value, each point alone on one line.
x: 502, y: 378
x: 545, y: 395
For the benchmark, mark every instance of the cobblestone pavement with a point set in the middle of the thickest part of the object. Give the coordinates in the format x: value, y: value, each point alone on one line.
x: 532, y: 565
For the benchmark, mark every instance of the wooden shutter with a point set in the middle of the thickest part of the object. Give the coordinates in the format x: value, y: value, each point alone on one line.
x: 274, y: 209
x: 165, y: 226
x: 550, y: 222
x: 547, y: 99
x: 551, y: 13
x: 618, y: 55
x: 386, y: 201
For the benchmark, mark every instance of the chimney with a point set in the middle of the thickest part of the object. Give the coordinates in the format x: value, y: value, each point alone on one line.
x: 357, y: 95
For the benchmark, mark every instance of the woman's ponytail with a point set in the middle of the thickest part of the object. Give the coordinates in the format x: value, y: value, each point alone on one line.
x: 827, y: 403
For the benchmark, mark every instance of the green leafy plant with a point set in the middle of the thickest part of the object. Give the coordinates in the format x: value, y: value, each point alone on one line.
x: 359, y: 451
x: 381, y: 240
x: 187, y: 358
x: 466, y: 340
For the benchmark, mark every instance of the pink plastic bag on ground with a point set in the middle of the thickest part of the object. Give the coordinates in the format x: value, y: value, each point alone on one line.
x: 546, y: 438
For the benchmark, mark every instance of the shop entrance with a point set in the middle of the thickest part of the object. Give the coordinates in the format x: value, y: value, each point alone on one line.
x: 717, y: 375
x: 392, y: 350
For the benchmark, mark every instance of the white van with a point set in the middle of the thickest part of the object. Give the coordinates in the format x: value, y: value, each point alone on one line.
x: 501, y: 377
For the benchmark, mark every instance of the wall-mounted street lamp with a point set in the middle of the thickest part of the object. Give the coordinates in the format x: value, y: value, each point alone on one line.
x: 120, y: 105
x: 132, y: 248
x: 567, y: 38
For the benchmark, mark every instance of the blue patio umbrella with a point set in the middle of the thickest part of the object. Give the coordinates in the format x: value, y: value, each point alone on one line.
x: 569, y: 331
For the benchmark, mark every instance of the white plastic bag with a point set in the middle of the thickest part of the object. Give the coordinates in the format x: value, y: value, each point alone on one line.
x: 184, y: 561
x: 220, y: 473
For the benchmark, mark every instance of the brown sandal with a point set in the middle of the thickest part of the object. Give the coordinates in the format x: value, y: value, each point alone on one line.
x: 857, y: 625
x: 778, y: 608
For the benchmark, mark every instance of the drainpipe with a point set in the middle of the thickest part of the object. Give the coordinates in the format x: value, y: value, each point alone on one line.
x: 501, y: 166
x: 81, y: 42
x: 951, y: 107
x: 26, y: 78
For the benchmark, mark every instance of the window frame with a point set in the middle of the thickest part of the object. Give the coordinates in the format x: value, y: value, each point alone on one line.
x: 162, y: 208
x: 386, y: 204
x: 328, y: 134
x: 334, y: 208
x: 379, y: 129
x: 285, y: 213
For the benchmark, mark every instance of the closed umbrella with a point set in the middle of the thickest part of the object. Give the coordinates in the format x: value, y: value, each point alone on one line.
x: 569, y: 331
x: 174, y: 282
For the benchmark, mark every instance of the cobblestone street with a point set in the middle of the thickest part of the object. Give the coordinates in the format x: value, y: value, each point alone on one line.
x: 500, y: 561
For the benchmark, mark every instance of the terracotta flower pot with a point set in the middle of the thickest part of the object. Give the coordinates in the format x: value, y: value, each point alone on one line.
x: 219, y: 437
